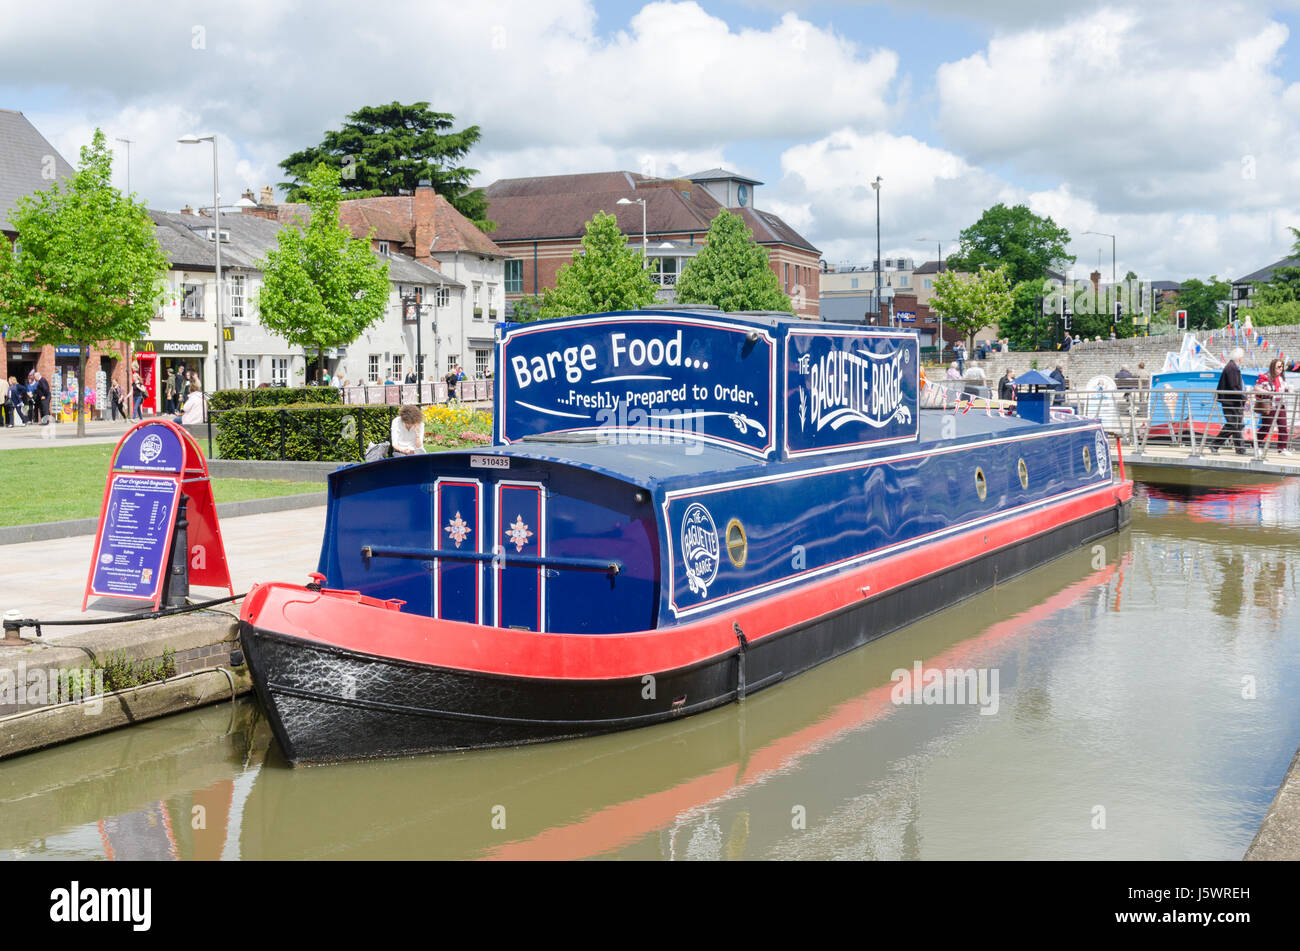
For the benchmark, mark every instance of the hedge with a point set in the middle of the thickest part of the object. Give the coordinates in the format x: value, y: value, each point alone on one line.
x: 302, y: 433
x: 275, y: 396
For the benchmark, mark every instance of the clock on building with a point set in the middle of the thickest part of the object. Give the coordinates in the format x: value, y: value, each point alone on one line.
x: 742, y: 195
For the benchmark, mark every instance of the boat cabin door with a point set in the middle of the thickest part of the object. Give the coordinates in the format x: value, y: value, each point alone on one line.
x: 494, y: 533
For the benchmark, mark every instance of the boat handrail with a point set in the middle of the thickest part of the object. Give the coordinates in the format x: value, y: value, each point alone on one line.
x: 497, y: 558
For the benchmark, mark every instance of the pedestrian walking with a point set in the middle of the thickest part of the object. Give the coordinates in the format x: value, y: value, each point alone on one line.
x: 1270, y: 404
x: 1232, y: 398
x: 40, y: 391
x: 138, y: 392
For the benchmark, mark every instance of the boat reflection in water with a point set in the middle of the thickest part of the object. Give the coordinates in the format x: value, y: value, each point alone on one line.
x: 655, y: 793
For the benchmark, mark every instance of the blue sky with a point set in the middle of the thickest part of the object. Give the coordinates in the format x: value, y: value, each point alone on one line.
x: 1173, y: 125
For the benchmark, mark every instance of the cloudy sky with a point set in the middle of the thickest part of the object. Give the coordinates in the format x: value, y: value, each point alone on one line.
x: 1173, y: 125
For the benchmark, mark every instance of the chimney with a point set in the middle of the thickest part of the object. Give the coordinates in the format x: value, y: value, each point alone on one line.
x: 248, y: 195
x: 265, y: 207
x: 1096, y: 281
x: 422, y: 209
x: 187, y: 210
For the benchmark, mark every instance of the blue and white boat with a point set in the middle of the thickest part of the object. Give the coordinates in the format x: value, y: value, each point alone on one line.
x: 679, y: 508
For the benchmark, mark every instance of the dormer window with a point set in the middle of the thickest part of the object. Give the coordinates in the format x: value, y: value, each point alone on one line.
x: 383, y: 248
x: 210, y: 234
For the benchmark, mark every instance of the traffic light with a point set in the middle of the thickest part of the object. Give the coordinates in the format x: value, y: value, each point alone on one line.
x: 1118, y: 311
x: 1182, y: 319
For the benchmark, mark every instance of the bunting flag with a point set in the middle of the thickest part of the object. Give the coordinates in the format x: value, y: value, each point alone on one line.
x: 1198, y: 348
x: 1259, y: 341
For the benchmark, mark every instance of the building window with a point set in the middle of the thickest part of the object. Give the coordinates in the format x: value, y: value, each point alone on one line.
x: 395, y: 368
x: 787, y: 277
x: 453, y: 359
x: 374, y: 368
x: 443, y: 297
x: 238, y: 298
x: 383, y: 248
x: 481, y: 358
x: 904, y: 280
x: 853, y: 283
x: 667, y: 273
x: 247, y: 368
x: 191, y: 301
x: 514, y: 277
x: 927, y: 284
x: 279, y: 371
x: 478, y: 300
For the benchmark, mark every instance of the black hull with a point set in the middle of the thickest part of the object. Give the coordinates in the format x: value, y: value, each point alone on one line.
x: 326, y: 703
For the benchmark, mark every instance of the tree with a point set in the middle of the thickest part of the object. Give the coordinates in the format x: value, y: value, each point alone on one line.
x: 972, y: 303
x: 87, y: 267
x: 1026, y: 317
x: 389, y: 150
x: 1201, y: 300
x: 322, y: 288
x: 731, y: 271
x: 525, y: 310
x: 605, y: 275
x: 1016, y: 237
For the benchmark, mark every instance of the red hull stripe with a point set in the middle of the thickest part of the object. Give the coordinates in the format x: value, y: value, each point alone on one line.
x: 346, y: 623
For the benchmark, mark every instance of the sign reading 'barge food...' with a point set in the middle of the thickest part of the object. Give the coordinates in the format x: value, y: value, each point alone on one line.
x: 849, y: 389
x: 658, y: 376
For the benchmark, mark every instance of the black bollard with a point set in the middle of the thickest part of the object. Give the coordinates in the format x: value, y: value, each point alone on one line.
x: 177, y: 589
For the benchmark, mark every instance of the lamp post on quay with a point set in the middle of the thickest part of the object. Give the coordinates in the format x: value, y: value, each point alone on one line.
x: 939, y: 247
x: 875, y: 186
x: 216, y: 217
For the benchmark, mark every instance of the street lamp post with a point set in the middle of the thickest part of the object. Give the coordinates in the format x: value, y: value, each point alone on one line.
x: 1112, y: 252
x: 939, y: 247
x: 875, y: 186
x: 645, y: 254
x: 216, y: 217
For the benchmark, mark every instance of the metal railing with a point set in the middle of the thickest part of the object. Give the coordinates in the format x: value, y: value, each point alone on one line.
x: 1190, y: 418
x: 428, y: 393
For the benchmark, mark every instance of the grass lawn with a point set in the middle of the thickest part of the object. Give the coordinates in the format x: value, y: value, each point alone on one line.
x: 54, y: 484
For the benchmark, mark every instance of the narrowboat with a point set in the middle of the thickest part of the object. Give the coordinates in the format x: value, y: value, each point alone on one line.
x: 678, y: 509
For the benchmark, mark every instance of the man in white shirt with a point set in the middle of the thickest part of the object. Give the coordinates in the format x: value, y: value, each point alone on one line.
x: 407, y: 433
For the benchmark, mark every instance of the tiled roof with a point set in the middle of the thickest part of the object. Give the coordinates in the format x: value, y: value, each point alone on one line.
x: 718, y: 174
x: 25, y: 155
x: 183, y: 241
x: 1265, y: 274
x: 392, y: 218
x: 559, y: 207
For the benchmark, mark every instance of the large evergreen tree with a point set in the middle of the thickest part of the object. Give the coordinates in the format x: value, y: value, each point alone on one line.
x: 88, y: 268
x: 605, y: 275
x: 322, y: 287
x: 1026, y: 243
x: 389, y: 150
x: 731, y: 271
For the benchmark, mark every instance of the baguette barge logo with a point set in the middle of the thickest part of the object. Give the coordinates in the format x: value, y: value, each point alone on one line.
x: 77, y: 904
x: 699, y: 548
x: 151, y: 448
x: 861, y: 387
x: 1103, y: 454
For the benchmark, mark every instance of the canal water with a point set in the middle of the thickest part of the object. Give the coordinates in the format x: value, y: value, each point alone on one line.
x: 1141, y: 700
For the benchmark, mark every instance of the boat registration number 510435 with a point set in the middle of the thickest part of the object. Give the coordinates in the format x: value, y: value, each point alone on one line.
x: 489, y: 462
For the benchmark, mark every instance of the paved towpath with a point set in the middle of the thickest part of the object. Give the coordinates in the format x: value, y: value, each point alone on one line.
x: 47, y: 579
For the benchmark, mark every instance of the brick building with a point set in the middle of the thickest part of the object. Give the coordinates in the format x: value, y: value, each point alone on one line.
x: 541, y: 222
x: 426, y: 228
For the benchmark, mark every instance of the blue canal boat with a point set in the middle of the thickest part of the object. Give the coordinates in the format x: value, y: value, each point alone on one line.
x: 678, y: 509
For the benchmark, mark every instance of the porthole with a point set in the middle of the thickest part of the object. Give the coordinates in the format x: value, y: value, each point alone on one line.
x: 737, y: 543
x: 981, y: 484
x: 1024, y: 474
x: 1087, y: 460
